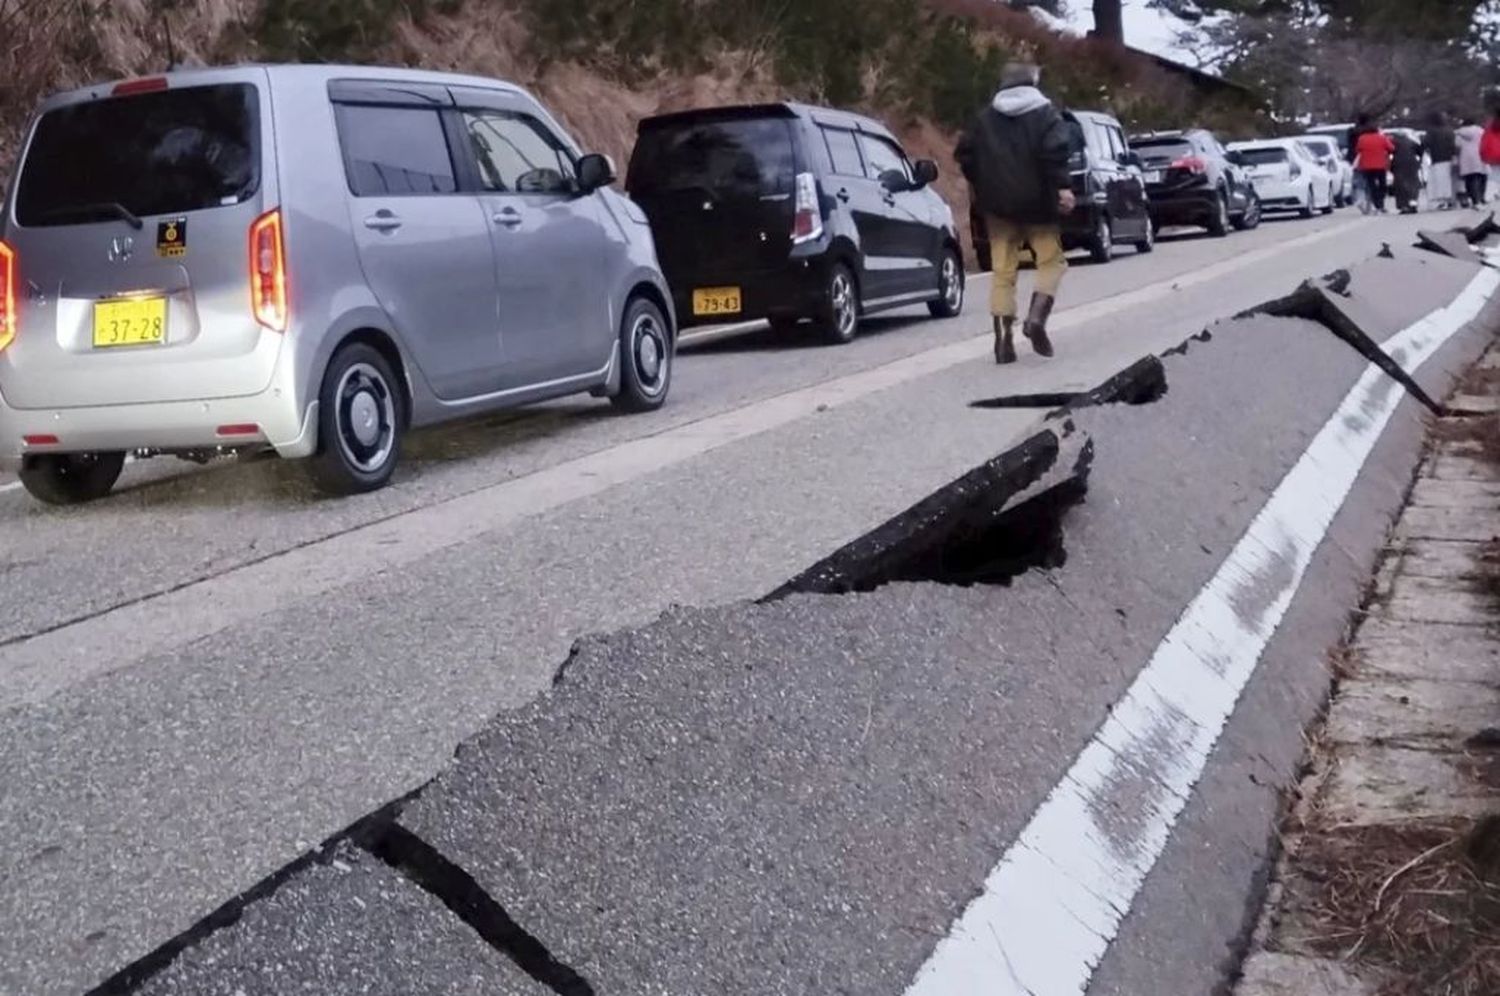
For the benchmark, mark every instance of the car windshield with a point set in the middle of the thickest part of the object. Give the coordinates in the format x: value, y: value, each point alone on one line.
x: 737, y: 157
x: 1162, y: 150
x: 1319, y: 147
x: 167, y: 152
x: 1263, y: 157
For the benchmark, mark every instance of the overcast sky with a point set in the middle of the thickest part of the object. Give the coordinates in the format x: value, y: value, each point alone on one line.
x: 1145, y: 28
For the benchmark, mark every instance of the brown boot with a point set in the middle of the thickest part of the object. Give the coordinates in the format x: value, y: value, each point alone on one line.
x: 1005, y: 340
x: 1035, y: 327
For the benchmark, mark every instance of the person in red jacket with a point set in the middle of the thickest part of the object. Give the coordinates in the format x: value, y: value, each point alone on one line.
x: 1372, y: 159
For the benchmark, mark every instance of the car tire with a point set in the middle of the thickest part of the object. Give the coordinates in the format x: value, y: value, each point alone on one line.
x: 360, y: 423
x: 838, y: 312
x: 1252, y: 216
x: 1102, y: 244
x: 950, y: 301
x: 1218, y: 223
x: 647, y: 350
x: 1328, y: 206
x: 1149, y: 242
x: 1310, y: 208
x: 70, y: 478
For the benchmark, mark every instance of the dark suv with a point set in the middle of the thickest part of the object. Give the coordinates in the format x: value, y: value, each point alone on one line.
x: 1191, y: 182
x: 787, y: 212
x: 1111, y: 194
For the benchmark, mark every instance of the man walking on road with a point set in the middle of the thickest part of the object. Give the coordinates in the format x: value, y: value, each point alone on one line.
x: 1015, y: 157
x: 1442, y: 146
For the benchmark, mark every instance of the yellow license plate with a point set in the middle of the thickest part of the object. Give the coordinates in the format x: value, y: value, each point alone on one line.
x: 710, y: 301
x: 130, y: 321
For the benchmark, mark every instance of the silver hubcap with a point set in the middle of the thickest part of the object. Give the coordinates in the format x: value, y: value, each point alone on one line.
x: 844, y: 313
x: 1106, y: 238
x: 366, y: 417
x: 953, y: 287
x: 648, y: 347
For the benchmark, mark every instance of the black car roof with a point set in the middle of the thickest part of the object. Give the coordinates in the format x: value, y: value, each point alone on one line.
x: 830, y: 116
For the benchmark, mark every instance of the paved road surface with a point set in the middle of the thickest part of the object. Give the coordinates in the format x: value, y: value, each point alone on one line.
x: 213, y: 670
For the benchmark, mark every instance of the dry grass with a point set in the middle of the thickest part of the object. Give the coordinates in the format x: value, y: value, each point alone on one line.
x: 1421, y: 902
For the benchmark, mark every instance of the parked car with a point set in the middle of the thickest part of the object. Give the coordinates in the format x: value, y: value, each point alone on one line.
x: 1285, y: 175
x: 1340, y: 133
x: 1327, y: 151
x: 1111, y: 194
x: 310, y: 259
x: 788, y: 212
x: 1190, y: 182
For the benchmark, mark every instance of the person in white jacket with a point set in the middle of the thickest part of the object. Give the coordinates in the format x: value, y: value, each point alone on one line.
x: 1471, y: 166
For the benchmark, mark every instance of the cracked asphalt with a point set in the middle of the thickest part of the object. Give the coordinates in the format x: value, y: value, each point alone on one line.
x: 211, y: 672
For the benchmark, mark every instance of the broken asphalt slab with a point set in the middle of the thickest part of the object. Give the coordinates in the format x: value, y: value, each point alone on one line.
x: 800, y: 796
x: 346, y: 925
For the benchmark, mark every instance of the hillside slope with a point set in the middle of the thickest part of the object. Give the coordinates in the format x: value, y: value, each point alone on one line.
x: 601, y: 65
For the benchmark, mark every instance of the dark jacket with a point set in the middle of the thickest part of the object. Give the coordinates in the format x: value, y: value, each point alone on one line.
x: 1442, y: 144
x: 1015, y: 156
x: 1406, y: 161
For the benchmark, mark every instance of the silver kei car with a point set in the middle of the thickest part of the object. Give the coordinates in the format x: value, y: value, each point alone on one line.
x: 311, y: 260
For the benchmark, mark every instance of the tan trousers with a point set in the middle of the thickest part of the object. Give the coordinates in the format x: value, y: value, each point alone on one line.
x: 1007, y: 240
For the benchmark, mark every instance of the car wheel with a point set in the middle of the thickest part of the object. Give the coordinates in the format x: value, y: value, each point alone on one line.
x: 950, y: 302
x: 1252, y: 216
x: 1218, y: 223
x: 359, y: 423
x: 71, y: 478
x: 1308, y: 208
x: 838, y: 314
x: 1102, y: 245
x: 646, y: 351
x: 1328, y: 204
x: 1149, y: 242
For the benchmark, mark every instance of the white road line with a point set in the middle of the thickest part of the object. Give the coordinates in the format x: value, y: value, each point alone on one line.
x: 1125, y: 300
x: 13, y: 485
x: 1053, y: 905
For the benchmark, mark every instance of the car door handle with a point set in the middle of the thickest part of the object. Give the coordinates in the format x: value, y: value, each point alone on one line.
x: 509, y: 217
x: 383, y: 221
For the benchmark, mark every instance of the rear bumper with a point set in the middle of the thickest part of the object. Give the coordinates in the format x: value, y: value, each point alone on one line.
x: 1283, y: 196
x: 166, y: 426
x: 792, y: 291
x: 1190, y: 205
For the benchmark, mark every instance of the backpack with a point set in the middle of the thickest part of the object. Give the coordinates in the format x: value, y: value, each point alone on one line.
x: 1489, y: 145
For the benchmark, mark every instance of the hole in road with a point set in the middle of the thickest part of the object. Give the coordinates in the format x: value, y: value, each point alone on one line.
x: 1141, y: 383
x: 991, y: 525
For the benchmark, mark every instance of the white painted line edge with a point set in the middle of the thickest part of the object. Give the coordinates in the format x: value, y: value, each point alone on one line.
x: 1053, y: 905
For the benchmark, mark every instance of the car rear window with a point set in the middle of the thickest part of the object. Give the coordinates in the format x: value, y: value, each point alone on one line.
x: 1263, y: 157
x: 739, y: 157
x: 1156, y: 150
x: 166, y: 152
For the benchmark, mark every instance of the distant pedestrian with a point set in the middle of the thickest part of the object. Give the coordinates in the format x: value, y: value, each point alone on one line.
x: 1406, y: 167
x: 1372, y: 160
x: 1442, y: 147
x: 1015, y: 157
x: 1471, y: 167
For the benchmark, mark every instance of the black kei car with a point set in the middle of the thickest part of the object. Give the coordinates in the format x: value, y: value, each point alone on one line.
x: 1191, y: 181
x: 1111, y: 194
x: 788, y: 212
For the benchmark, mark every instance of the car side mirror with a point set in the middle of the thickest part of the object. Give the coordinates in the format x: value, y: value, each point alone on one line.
x: 1235, y: 158
x: 895, y: 181
x: 925, y: 171
x: 1131, y: 159
x: 595, y: 171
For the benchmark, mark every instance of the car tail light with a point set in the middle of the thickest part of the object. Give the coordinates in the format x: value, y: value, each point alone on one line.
x: 807, y: 223
x: 1192, y: 164
x: 7, y: 295
x: 268, y: 272
x: 150, y: 84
